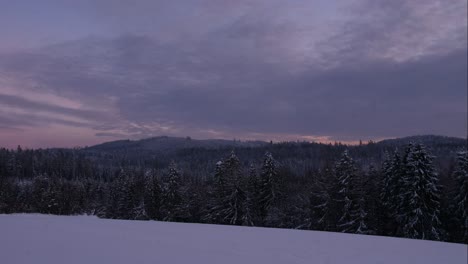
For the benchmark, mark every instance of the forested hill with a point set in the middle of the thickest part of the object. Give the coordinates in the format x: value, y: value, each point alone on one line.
x: 302, y: 156
x: 428, y: 140
x: 165, y: 144
x: 198, y: 157
x: 169, y: 144
x: 398, y: 187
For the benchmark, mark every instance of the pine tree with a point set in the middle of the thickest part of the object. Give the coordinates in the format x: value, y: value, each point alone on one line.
x: 228, y: 200
x: 461, y: 199
x: 172, y: 207
x: 320, y: 203
x: 7, y: 195
x: 391, y: 191
x: 196, y: 203
x: 251, y: 206
x: 152, y: 196
x: 270, y: 187
x: 98, y: 204
x: 125, y: 200
x: 362, y: 218
x: 95, y: 197
x: 111, y: 207
x: 123, y: 197
x: 349, y: 198
x: 234, y: 212
x: 419, y: 206
x: 220, y: 180
x: 12, y: 164
x: 216, y: 200
x: 45, y: 195
x: 372, y: 203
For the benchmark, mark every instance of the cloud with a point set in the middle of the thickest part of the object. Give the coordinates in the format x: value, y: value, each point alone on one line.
x: 383, y: 69
x: 398, y: 31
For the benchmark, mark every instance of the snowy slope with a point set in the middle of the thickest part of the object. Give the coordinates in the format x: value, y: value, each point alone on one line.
x: 43, y: 239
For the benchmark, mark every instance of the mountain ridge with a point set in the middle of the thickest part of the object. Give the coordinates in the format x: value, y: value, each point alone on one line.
x: 168, y: 143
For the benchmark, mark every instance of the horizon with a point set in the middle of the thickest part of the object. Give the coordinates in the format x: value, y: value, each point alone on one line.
x: 88, y: 72
x: 353, y: 143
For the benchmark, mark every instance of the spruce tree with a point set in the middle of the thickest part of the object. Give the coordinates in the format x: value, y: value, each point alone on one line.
x: 7, y: 195
x: 321, y: 204
x: 152, y: 196
x: 112, y: 197
x: 45, y: 195
x: 362, y: 218
x: 227, y: 205
x: 172, y: 208
x: 122, y: 198
x: 216, y: 200
x: 372, y: 203
x: 235, y: 200
x: 419, y: 206
x: 126, y: 203
x: 461, y: 199
x: 270, y: 187
x: 251, y: 206
x: 352, y: 219
x: 390, y: 195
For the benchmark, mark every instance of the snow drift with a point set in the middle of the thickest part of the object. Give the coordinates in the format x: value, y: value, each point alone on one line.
x: 45, y: 239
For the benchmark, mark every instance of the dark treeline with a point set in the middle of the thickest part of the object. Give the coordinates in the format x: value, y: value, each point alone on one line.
x: 370, y: 189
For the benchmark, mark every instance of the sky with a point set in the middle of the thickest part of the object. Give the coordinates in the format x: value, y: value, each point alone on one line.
x: 77, y: 73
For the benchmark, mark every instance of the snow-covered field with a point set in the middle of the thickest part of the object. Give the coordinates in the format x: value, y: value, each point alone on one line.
x: 44, y: 239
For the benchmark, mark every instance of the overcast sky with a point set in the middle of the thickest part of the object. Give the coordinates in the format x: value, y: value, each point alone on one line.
x: 75, y: 73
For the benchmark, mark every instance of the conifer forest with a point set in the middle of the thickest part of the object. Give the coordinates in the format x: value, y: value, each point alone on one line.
x: 413, y: 187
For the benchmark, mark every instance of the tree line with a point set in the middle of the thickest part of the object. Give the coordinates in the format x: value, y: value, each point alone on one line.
x: 404, y: 196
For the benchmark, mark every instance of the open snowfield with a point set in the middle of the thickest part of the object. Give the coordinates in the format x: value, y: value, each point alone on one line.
x: 44, y: 239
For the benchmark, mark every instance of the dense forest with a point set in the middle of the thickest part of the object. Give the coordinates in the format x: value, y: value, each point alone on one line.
x: 414, y: 187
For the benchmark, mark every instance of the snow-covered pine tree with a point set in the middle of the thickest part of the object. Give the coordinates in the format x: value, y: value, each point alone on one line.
x: 216, y: 195
x: 348, y: 196
x: 45, y: 195
x: 419, y: 206
x: 100, y: 200
x: 228, y: 199
x: 173, y: 200
x: 136, y: 193
x: 220, y: 180
x: 95, y: 197
x: 392, y: 184
x: 124, y: 199
x: 461, y: 198
x: 320, y: 212
x: 250, y: 205
x: 127, y: 198
x: 11, y: 165
x: 112, y: 196
x: 7, y: 195
x: 362, y: 226
x: 119, y: 191
x: 372, y: 202
x: 233, y: 203
x: 270, y: 187
x: 152, y: 196
x: 234, y: 214
x: 196, y: 202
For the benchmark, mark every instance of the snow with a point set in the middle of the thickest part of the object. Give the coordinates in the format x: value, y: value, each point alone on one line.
x: 46, y: 239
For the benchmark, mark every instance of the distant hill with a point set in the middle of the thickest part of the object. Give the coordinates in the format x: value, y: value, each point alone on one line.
x: 427, y: 140
x: 165, y: 149
x: 169, y: 144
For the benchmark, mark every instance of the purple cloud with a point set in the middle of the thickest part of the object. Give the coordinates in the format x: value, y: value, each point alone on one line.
x: 318, y: 71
